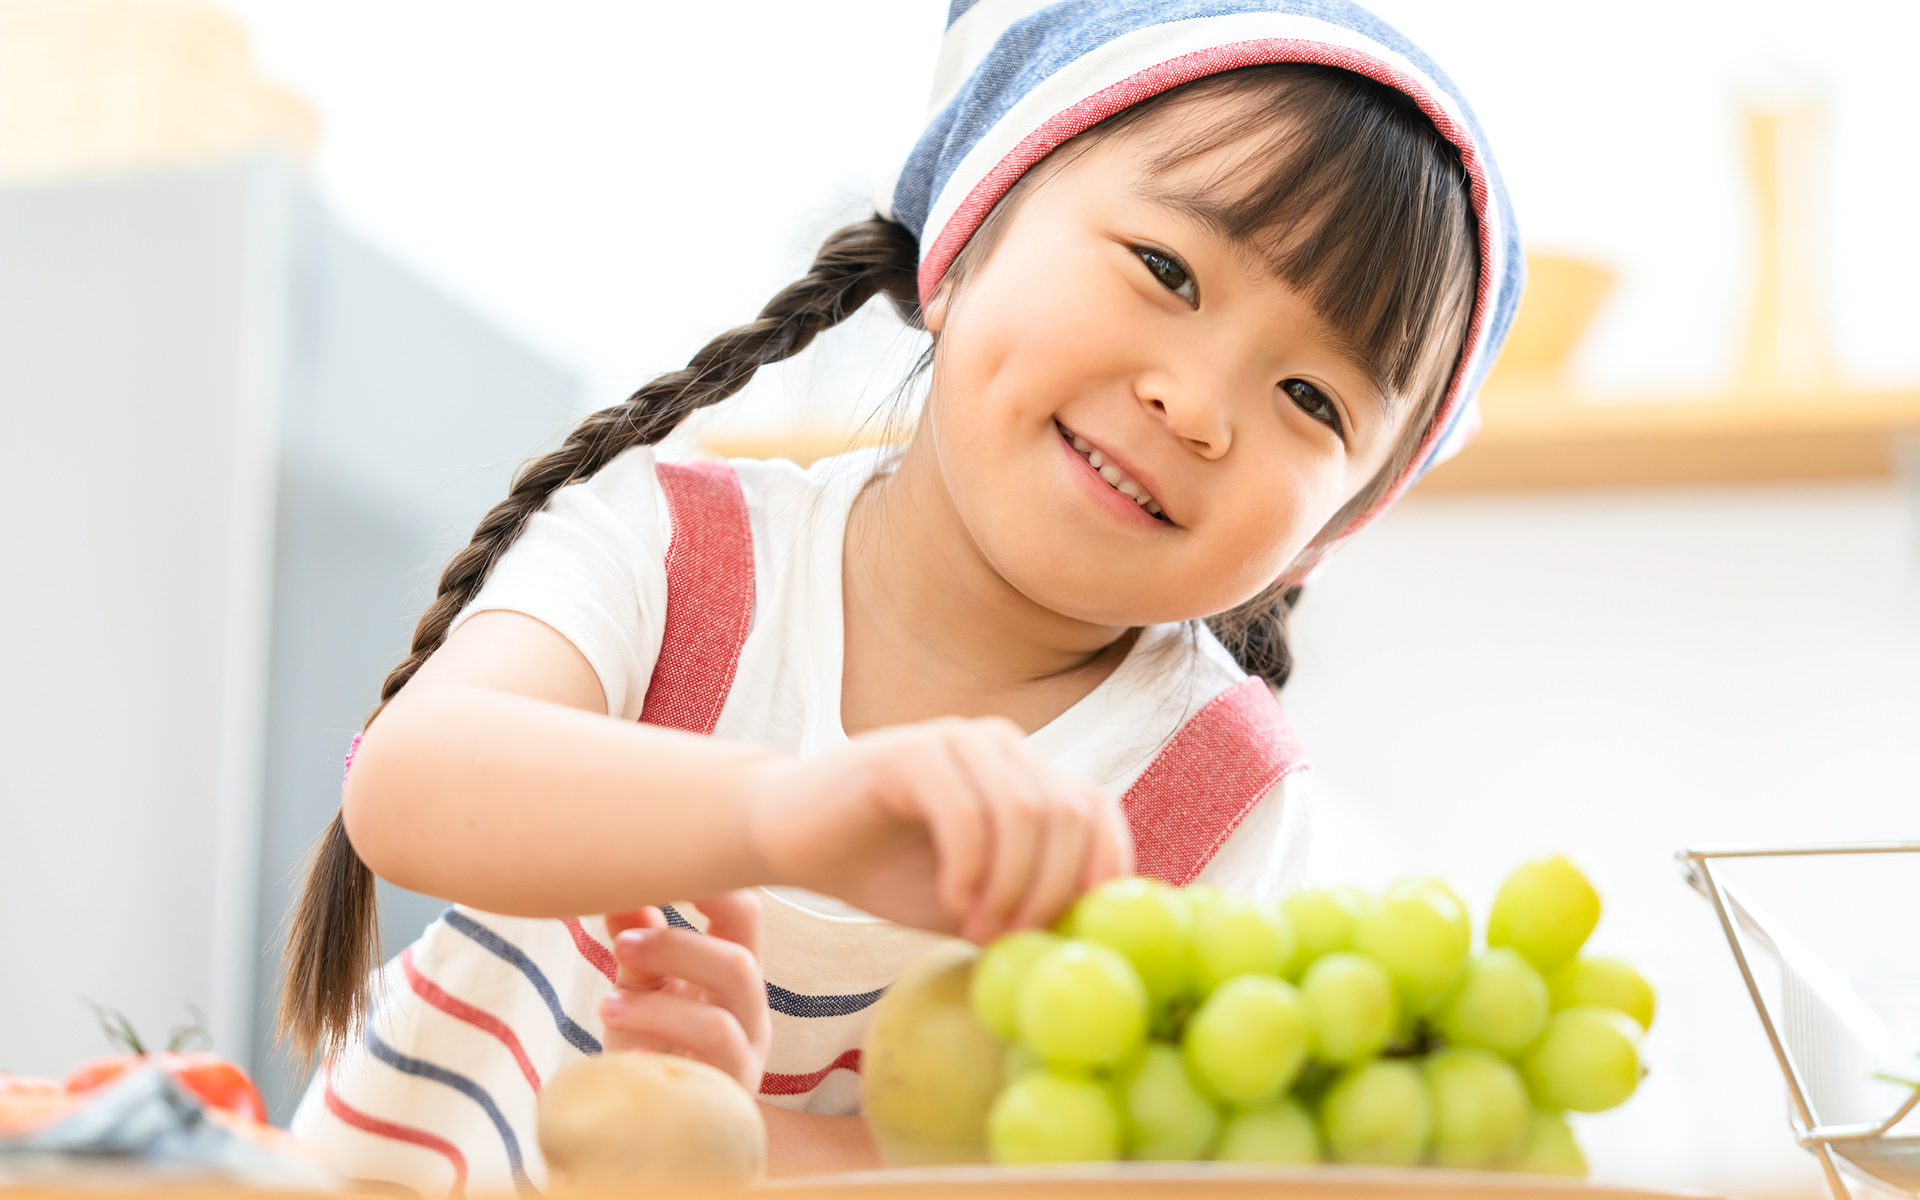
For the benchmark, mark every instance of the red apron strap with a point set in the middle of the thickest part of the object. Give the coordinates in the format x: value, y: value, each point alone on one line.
x: 1204, y: 782
x: 709, y: 596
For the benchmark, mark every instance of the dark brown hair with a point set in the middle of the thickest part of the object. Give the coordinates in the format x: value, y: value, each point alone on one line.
x: 1357, y: 201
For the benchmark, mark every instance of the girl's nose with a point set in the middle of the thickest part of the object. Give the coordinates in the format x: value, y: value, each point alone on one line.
x: 1194, y: 407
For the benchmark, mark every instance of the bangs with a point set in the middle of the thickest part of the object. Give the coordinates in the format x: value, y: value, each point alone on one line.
x: 1350, y: 196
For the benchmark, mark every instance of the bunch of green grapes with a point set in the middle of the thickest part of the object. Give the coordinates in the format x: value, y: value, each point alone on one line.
x: 1335, y: 1025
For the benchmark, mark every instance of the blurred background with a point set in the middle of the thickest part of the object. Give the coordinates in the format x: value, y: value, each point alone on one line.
x: 286, y: 289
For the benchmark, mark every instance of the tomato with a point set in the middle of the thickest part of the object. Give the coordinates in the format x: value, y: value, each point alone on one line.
x: 27, y: 1103
x: 221, y: 1084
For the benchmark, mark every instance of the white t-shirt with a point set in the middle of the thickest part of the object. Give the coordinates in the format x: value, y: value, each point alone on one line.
x: 591, y: 566
x: 466, y: 1025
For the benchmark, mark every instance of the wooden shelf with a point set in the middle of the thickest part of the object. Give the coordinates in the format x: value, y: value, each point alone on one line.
x: 1549, y: 442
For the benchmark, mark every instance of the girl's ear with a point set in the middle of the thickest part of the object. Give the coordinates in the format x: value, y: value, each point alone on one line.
x: 933, y: 314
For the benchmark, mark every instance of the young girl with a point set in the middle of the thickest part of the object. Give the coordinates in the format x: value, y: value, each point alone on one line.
x: 1209, y: 283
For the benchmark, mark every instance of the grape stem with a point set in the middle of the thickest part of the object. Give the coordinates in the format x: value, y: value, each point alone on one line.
x: 1423, y: 1042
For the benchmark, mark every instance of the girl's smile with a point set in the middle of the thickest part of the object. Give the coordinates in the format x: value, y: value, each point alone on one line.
x: 1112, y: 483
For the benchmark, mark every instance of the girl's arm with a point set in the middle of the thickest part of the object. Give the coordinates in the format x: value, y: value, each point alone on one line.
x: 811, y: 1144
x: 495, y: 779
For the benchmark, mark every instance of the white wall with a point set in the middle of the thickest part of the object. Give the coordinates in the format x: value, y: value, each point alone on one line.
x: 629, y: 176
x: 138, y: 373
x: 1618, y: 676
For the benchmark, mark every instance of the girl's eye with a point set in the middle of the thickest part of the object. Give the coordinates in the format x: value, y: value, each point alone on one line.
x: 1171, y: 272
x: 1312, y: 401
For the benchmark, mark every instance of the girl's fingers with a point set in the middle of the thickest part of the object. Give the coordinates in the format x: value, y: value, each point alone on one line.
x: 720, y: 973
x: 700, y: 1031
x: 1071, y: 829
x: 1016, y: 809
x: 934, y: 787
x: 734, y: 917
x: 618, y: 925
x: 617, y: 1038
x: 1113, y: 850
x: 640, y: 918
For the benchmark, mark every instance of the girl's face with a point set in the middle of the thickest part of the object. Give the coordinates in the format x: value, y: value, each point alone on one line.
x: 1109, y: 324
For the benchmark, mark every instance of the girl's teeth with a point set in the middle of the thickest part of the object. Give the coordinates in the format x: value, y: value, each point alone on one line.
x: 1117, y: 479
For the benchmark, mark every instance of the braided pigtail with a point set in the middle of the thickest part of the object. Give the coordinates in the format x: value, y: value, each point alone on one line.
x: 1256, y: 633
x: 333, y: 940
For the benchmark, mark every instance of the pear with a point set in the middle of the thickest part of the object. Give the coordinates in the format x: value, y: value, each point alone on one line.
x: 930, y: 1070
x: 630, y: 1118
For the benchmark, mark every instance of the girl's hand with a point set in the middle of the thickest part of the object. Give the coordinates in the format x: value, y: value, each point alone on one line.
x: 693, y: 994
x: 951, y: 825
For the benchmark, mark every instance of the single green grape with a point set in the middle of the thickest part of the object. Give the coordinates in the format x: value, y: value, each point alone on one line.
x: 1588, y: 1060
x: 1440, y: 885
x: 998, y: 974
x: 1280, y: 1132
x: 1233, y: 936
x: 1480, y: 1107
x: 1607, y: 982
x: 1378, y: 1114
x: 1551, y: 1148
x: 1499, y: 1003
x: 1248, y: 1040
x: 1045, y: 1117
x: 1545, y: 910
x: 1350, y: 1007
x: 1167, y: 1117
x: 1420, y: 934
x: 1322, y: 922
x: 1145, y: 920
x: 1082, y: 1005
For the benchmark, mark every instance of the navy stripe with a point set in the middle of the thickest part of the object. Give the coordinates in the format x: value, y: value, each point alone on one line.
x: 468, y: 1088
x: 501, y: 948
x: 675, y: 919
x: 797, y: 1004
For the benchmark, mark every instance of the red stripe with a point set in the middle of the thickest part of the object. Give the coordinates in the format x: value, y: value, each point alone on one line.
x: 1204, y: 782
x: 399, y: 1133
x: 1185, y: 68
x: 453, y: 1006
x: 774, y: 1084
x: 709, y: 597
x: 591, y: 950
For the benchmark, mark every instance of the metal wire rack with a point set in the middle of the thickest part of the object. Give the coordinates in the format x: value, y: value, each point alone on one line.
x: 1820, y: 1031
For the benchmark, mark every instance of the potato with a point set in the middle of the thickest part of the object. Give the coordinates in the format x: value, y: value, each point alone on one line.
x: 930, y: 1069
x: 628, y: 1117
